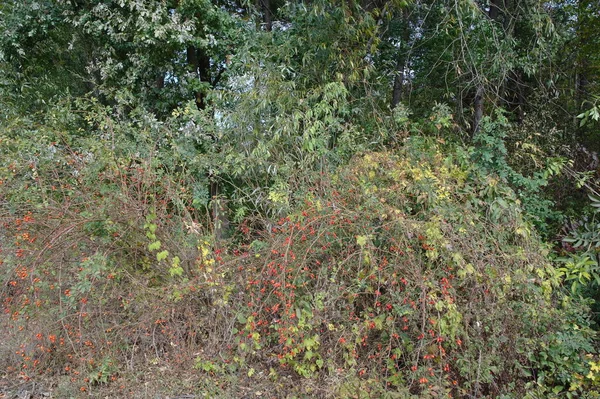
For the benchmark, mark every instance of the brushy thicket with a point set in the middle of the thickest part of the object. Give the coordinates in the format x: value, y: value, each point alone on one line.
x: 408, y: 272
x: 300, y: 199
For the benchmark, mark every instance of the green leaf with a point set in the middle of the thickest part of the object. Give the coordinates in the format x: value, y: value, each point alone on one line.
x: 162, y: 255
x: 361, y: 240
x: 557, y: 389
x: 154, y: 246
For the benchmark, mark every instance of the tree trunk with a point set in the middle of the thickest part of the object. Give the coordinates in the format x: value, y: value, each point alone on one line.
x: 400, y: 75
x: 199, y: 62
x: 398, y: 82
x: 192, y: 60
x: 160, y: 81
x: 581, y: 84
x: 219, y: 211
x: 521, y: 101
x: 496, y: 7
x: 478, y: 109
x: 265, y: 6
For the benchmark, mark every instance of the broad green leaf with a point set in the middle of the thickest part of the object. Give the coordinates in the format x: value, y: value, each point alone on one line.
x: 162, y: 255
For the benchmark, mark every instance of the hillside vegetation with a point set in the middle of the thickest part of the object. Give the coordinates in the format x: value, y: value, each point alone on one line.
x: 325, y: 199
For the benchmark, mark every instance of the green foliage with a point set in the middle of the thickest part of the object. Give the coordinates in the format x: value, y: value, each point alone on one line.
x: 591, y: 114
x: 578, y: 271
x: 579, y: 266
x: 491, y: 155
x: 374, y: 252
x: 383, y: 262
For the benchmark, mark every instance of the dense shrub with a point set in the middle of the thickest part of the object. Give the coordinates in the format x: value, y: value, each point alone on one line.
x: 409, y: 272
x: 404, y: 273
x: 94, y: 240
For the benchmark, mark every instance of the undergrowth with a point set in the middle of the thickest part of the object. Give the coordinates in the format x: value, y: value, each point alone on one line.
x: 406, y: 273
